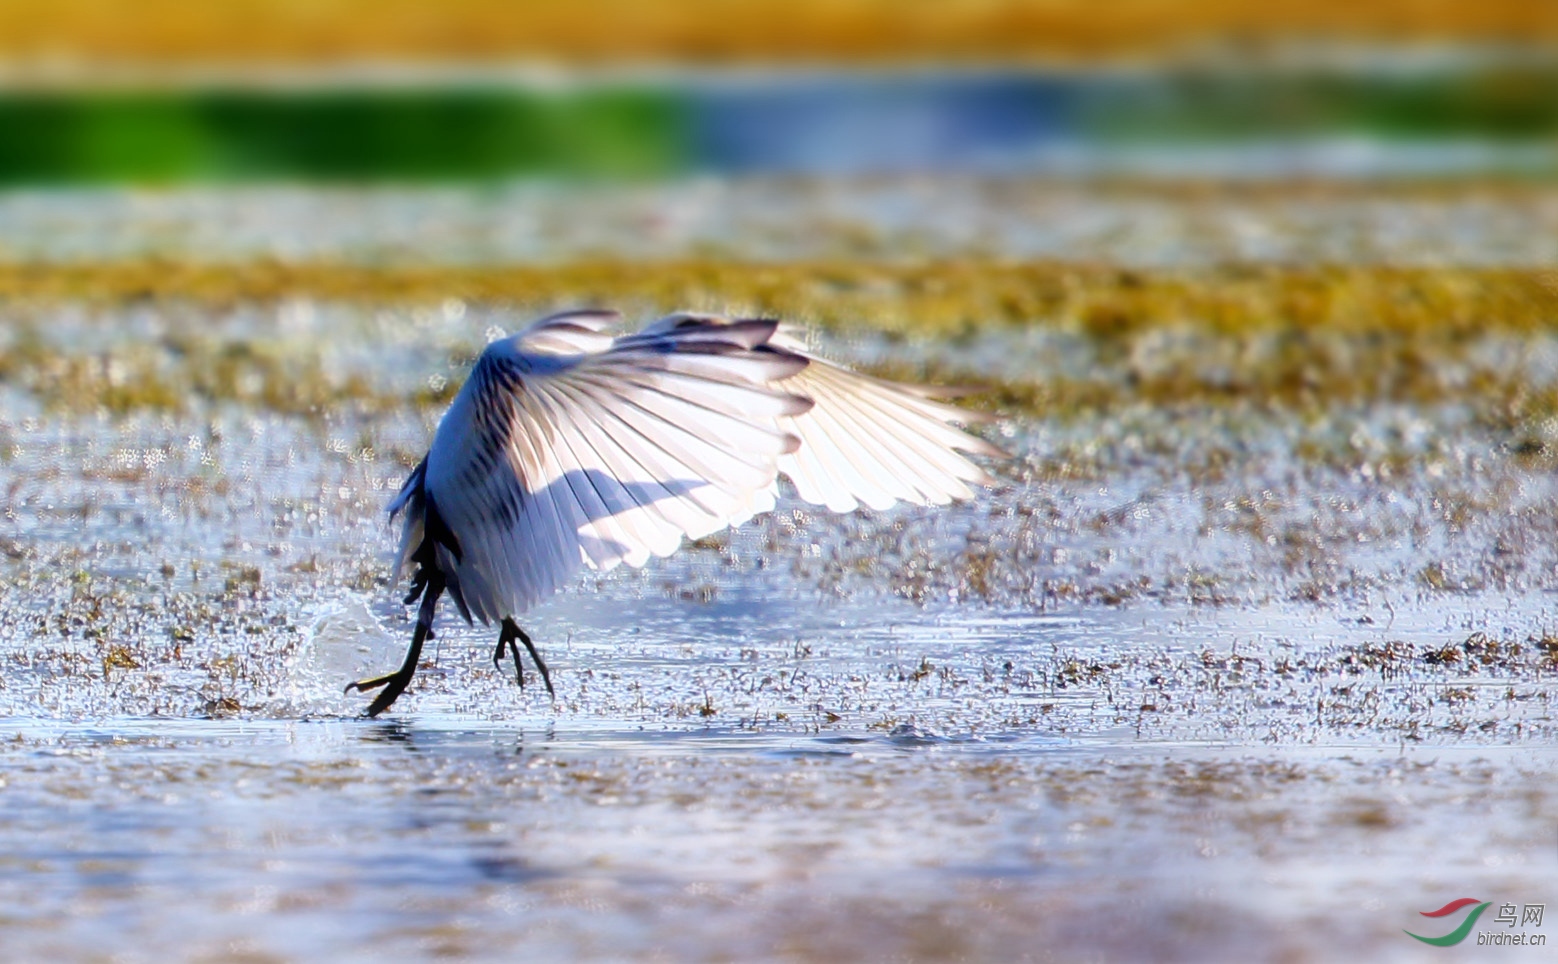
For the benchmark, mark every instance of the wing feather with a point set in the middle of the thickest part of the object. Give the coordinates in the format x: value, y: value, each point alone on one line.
x: 633, y: 459
x: 569, y: 447
x: 834, y: 467
x: 612, y: 530
x: 876, y: 442
x: 693, y: 512
x: 872, y: 457
x: 924, y: 449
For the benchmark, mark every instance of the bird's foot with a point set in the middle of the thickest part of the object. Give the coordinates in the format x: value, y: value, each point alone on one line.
x: 497, y: 659
x: 546, y: 677
x: 394, y: 684
x: 510, y: 633
x: 364, y: 685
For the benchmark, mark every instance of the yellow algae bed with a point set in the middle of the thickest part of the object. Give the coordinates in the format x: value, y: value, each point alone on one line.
x: 180, y: 31
x: 1250, y: 653
x: 1303, y: 339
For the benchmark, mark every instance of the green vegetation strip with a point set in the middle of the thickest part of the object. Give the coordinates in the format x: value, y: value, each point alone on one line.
x: 408, y: 134
x: 1301, y: 339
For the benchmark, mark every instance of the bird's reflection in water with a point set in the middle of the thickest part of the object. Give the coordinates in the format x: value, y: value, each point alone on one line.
x: 401, y: 734
x: 393, y: 733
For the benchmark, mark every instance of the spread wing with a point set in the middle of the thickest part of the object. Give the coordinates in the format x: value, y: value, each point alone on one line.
x: 870, y: 441
x: 569, y: 447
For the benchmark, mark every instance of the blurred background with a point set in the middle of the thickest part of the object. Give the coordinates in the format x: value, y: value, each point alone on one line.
x: 170, y: 92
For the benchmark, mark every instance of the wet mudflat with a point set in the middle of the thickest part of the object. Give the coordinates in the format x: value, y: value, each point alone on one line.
x: 1219, y: 669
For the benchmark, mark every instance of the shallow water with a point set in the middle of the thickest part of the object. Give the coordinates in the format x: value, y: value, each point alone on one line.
x: 443, y: 836
x: 1244, y: 683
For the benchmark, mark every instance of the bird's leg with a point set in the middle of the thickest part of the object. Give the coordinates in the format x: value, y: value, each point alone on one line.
x: 395, y: 683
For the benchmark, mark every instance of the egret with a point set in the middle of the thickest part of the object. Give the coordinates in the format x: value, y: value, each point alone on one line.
x: 570, y: 447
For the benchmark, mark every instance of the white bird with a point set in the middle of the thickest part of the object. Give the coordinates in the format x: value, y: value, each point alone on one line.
x: 569, y: 447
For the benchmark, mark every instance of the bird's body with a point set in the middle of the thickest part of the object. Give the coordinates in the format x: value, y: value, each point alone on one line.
x: 569, y: 447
